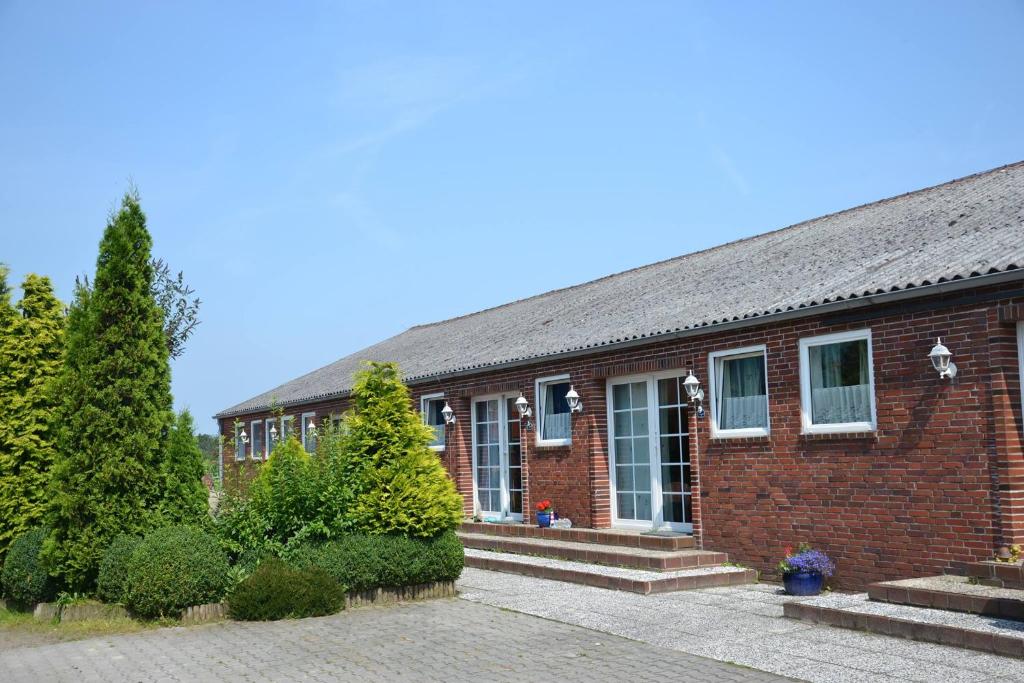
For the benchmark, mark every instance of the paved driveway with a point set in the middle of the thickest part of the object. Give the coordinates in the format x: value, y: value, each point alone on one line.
x: 439, y: 640
x: 742, y: 624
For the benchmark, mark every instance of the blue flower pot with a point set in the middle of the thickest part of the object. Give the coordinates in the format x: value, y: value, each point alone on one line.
x: 544, y: 519
x: 803, y: 583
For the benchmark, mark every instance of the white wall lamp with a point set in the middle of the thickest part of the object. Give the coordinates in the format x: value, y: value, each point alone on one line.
x: 523, y: 406
x: 244, y: 437
x: 941, y: 358
x: 573, y: 399
x: 273, y: 433
x: 448, y: 414
x: 692, y: 386
x: 311, y: 428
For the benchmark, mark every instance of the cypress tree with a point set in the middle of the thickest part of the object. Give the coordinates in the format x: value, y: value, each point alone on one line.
x: 33, y: 350
x: 398, y: 484
x: 115, y: 411
x: 186, y: 499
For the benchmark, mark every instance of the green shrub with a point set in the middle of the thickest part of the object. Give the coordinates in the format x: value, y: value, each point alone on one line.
x: 174, y: 568
x: 113, y: 576
x: 25, y: 580
x: 364, y: 562
x: 278, y: 591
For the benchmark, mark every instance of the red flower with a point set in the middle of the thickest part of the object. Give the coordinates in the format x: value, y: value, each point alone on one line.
x: 788, y: 550
x: 544, y: 505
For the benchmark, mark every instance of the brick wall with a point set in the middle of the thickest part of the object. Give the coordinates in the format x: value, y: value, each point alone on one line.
x: 940, y: 481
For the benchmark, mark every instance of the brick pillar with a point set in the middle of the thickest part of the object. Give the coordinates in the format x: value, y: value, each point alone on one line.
x: 1007, y: 424
x: 459, y: 450
x: 591, y: 429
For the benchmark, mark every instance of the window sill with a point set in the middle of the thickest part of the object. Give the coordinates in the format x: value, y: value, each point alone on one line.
x: 437, y: 449
x: 731, y: 438
x: 727, y: 434
x: 552, y: 445
x: 835, y: 436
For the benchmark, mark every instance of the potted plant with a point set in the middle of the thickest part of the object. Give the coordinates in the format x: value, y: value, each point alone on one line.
x: 544, y: 513
x: 804, y: 572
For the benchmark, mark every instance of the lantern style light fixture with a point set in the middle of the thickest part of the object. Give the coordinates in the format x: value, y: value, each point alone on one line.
x: 243, y: 436
x: 692, y: 386
x: 523, y: 406
x: 311, y: 428
x: 573, y: 399
x: 941, y: 359
x: 448, y: 414
x: 273, y: 433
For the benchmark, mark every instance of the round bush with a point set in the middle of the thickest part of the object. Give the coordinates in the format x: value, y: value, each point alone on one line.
x: 367, y: 562
x: 24, y: 578
x: 174, y: 568
x: 278, y: 591
x: 113, y: 575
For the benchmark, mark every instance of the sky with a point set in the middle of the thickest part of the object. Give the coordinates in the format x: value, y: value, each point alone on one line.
x: 328, y: 174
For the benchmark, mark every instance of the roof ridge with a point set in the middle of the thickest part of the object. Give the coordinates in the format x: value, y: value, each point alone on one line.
x: 716, y: 247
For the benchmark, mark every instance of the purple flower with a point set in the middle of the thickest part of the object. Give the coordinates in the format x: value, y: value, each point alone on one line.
x: 810, y: 561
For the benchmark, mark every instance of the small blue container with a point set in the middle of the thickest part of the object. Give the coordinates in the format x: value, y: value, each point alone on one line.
x: 803, y: 583
x: 544, y: 519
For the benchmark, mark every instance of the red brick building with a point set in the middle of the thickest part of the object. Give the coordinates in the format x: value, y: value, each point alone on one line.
x: 822, y: 420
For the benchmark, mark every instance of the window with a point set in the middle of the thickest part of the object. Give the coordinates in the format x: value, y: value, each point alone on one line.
x: 239, y: 444
x: 431, y: 406
x: 308, y: 435
x: 256, y: 439
x: 273, y: 435
x: 554, y: 418
x: 287, y: 426
x: 739, y: 395
x: 837, y: 383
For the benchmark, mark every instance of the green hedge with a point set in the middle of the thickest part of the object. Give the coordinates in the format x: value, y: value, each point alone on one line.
x: 174, y: 568
x: 24, y: 578
x: 278, y: 591
x: 113, y: 577
x: 365, y: 562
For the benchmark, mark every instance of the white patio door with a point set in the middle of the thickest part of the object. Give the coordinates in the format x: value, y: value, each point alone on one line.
x: 497, y: 458
x: 649, y: 453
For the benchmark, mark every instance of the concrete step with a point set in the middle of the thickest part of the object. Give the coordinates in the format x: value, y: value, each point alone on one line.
x: 955, y: 593
x: 617, y: 578
x: 612, y: 555
x: 998, y: 574
x: 619, y: 537
x: 859, y: 612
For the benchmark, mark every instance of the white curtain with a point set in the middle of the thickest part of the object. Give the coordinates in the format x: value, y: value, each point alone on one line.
x: 840, y: 384
x: 557, y: 425
x: 743, y: 398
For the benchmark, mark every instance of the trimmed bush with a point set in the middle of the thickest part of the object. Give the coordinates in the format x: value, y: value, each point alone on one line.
x: 25, y: 580
x: 174, y: 568
x: 113, y: 576
x: 367, y: 562
x: 278, y: 591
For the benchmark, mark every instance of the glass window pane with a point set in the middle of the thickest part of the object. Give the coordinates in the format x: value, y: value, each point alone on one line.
x: 840, y: 382
x: 743, y: 400
x: 624, y: 477
x: 620, y: 397
x: 623, y: 425
x: 515, y: 502
x: 669, y: 418
x: 642, y: 478
x: 639, y: 395
x: 643, y: 506
x: 673, y: 508
x: 668, y: 392
x: 671, y: 448
x: 641, y: 426
x: 623, y: 450
x: 641, y: 450
x: 627, y: 509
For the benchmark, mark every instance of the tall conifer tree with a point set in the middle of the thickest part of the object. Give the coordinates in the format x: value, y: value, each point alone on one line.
x: 115, y: 411
x: 186, y: 498
x: 32, y: 349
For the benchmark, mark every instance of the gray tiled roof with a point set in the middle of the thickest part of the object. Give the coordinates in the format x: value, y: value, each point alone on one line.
x: 968, y: 227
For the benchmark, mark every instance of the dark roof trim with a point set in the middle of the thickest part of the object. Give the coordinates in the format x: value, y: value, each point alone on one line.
x: 984, y: 280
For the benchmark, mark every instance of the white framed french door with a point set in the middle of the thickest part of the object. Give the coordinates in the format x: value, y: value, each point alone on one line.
x: 649, y: 452
x: 497, y: 458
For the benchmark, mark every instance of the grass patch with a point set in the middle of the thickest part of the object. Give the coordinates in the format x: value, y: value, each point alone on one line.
x: 23, y: 626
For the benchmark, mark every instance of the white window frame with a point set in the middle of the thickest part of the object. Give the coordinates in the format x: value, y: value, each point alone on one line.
x: 805, y: 384
x: 538, y: 399
x: 267, y: 446
x: 239, y: 428
x: 424, y: 399
x: 306, y: 417
x: 713, y: 360
x: 253, y: 426
x: 286, y: 418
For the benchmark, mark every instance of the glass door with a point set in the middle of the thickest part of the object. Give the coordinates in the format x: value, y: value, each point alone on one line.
x: 497, y: 459
x: 650, y: 453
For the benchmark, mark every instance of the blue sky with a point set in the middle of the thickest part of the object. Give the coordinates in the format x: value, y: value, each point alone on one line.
x: 328, y: 174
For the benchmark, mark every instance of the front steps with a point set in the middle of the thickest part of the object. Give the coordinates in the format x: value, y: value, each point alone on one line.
x: 949, y: 610
x: 619, y: 560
